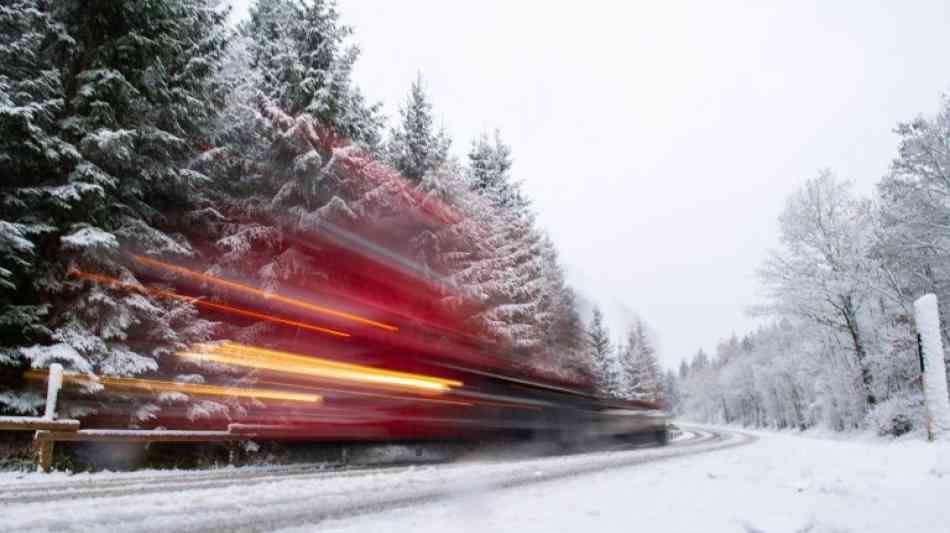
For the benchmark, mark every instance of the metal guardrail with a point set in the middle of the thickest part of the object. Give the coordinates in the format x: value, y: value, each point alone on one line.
x: 143, y: 435
x: 43, y: 449
x: 49, y: 429
x: 31, y: 423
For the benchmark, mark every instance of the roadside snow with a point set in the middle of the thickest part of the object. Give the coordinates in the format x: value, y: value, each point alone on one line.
x: 781, y: 483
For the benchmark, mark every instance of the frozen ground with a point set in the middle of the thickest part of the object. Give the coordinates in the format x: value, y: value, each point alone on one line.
x: 774, y: 484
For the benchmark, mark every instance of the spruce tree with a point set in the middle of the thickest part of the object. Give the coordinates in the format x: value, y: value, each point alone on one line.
x: 683, y: 372
x: 561, y: 327
x: 415, y: 147
x: 102, y: 111
x: 31, y: 101
x: 489, y: 165
x: 293, y: 104
x: 642, y: 376
x: 602, y: 354
x: 493, y: 256
x: 700, y: 362
x: 302, y: 64
x: 671, y: 392
x: 649, y: 385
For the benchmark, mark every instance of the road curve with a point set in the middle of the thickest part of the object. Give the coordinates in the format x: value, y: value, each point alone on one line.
x: 264, y: 499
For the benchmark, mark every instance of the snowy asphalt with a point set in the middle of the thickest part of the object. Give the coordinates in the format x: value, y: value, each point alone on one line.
x: 264, y: 499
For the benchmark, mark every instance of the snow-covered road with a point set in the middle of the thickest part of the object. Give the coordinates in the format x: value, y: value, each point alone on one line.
x: 263, y: 499
x: 710, y: 482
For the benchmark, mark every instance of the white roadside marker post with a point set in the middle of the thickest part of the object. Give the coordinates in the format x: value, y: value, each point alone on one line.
x: 934, y: 378
x: 52, y: 390
x: 42, y: 445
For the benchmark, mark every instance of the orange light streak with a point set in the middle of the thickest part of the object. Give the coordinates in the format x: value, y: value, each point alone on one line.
x: 263, y: 294
x: 106, y: 280
x: 199, y: 389
x: 253, y: 357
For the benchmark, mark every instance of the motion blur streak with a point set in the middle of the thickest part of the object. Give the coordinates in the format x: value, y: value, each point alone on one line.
x: 199, y: 389
x: 106, y: 280
x: 370, y: 394
x: 253, y: 357
x: 263, y: 294
x: 508, y: 404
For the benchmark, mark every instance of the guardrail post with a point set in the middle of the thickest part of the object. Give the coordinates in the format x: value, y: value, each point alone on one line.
x: 43, y: 450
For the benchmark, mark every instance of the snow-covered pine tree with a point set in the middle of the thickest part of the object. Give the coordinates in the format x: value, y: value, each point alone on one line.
x: 460, y: 251
x: 292, y: 105
x: 31, y: 100
x: 488, y: 171
x: 699, y: 362
x: 302, y: 63
x: 415, y: 146
x: 103, y: 109
x: 628, y: 354
x: 641, y: 374
x: 514, y: 306
x: 644, y: 369
x: 491, y: 256
x: 511, y: 266
x: 602, y: 355
x: 671, y: 392
x: 563, y: 349
x: 291, y: 56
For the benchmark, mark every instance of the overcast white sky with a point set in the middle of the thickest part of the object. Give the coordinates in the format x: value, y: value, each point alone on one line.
x: 658, y: 140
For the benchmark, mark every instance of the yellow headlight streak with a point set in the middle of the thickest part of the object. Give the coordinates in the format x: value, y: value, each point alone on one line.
x: 198, y: 389
x: 254, y: 357
x: 364, y: 394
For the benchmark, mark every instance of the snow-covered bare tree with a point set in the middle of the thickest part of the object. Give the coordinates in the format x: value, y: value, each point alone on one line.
x: 822, y: 271
x: 915, y: 213
x: 841, y: 352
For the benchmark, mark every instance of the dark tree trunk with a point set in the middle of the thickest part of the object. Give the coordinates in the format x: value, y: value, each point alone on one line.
x: 859, y: 351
